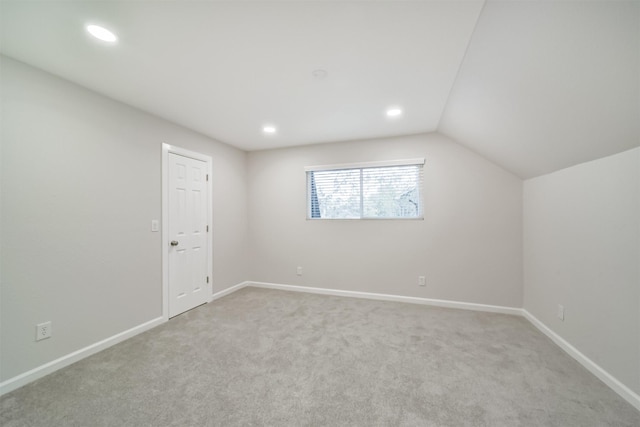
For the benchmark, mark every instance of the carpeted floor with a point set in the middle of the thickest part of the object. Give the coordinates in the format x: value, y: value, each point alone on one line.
x: 272, y: 358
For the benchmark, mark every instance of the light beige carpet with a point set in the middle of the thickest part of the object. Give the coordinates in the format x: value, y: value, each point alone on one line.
x: 273, y: 358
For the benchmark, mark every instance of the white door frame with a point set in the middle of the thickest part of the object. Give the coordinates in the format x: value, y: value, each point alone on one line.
x: 166, y: 149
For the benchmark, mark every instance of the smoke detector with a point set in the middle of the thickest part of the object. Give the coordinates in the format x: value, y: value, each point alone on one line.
x: 319, y: 74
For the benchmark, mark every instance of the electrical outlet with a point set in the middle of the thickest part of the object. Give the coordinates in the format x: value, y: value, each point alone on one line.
x: 299, y: 271
x: 561, y: 312
x: 43, y: 331
x: 422, y: 281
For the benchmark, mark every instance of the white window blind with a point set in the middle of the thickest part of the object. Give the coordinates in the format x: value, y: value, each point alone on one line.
x: 391, y: 190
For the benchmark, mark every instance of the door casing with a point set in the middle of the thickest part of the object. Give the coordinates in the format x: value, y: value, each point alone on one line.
x: 166, y: 149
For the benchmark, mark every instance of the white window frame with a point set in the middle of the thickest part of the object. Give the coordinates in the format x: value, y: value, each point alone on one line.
x: 366, y: 165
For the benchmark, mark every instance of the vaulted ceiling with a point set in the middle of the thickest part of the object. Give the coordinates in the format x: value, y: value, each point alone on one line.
x: 533, y: 86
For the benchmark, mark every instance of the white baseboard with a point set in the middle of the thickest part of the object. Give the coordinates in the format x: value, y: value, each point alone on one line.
x: 389, y: 297
x: 228, y: 291
x: 625, y: 392
x: 50, y: 367
x: 39, y: 372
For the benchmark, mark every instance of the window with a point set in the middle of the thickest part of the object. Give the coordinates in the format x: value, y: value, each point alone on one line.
x: 377, y: 190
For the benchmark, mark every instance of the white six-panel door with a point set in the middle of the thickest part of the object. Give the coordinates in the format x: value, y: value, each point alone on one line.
x: 188, y: 252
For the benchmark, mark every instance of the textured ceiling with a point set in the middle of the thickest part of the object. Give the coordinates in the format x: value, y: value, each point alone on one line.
x: 533, y: 86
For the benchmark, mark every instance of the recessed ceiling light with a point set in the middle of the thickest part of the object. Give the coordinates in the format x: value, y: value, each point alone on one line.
x: 269, y: 129
x: 101, y: 33
x: 394, y: 112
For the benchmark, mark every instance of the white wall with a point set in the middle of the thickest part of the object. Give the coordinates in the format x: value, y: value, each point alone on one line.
x: 81, y: 182
x: 469, y: 246
x: 582, y: 250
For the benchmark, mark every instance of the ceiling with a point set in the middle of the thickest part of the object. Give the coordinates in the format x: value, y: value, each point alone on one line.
x: 533, y: 86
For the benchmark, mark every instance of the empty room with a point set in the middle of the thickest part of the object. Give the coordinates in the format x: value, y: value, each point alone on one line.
x: 319, y: 213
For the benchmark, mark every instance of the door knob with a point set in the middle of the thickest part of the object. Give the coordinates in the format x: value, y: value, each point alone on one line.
x: 174, y: 243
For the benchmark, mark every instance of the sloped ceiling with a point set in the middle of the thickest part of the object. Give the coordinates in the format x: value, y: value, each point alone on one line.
x: 533, y: 86
x: 547, y: 85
